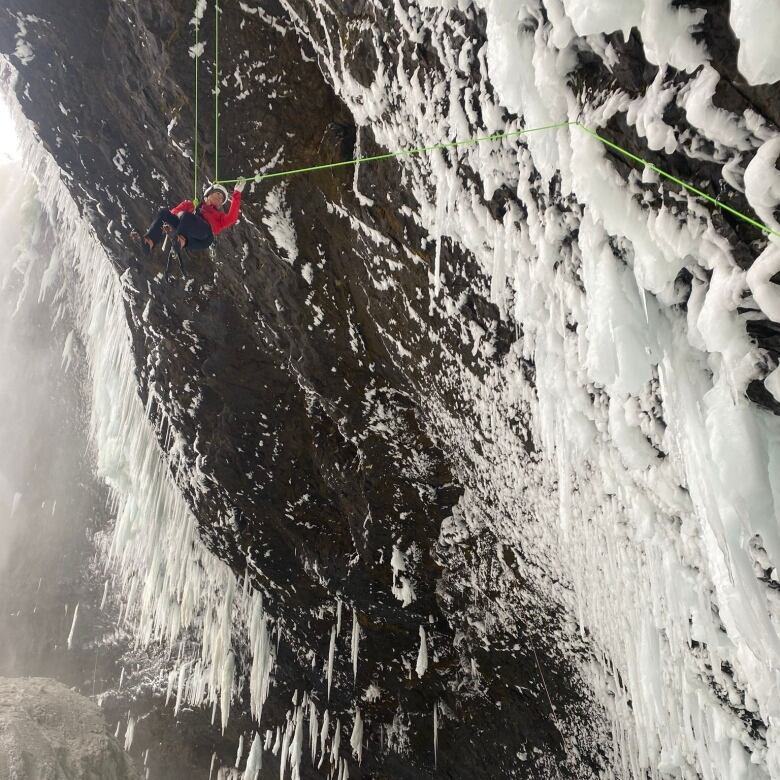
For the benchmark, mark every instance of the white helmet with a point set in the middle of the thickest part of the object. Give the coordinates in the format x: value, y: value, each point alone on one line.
x: 216, y: 188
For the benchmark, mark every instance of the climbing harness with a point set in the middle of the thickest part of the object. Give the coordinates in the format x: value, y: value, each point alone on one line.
x: 260, y: 177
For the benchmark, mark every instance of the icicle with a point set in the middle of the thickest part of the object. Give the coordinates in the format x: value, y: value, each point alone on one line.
x: 336, y: 744
x: 245, y: 586
x: 262, y: 657
x: 254, y: 761
x: 313, y: 731
x: 213, y: 761
x: 422, y: 655
x: 278, y: 742
x: 331, y: 658
x: 355, y: 643
x: 397, y: 562
x: 324, y: 735
x: 436, y: 734
x: 240, y: 750
x: 296, y: 747
x: 73, y: 627
x: 356, y: 740
x: 169, y: 689
x: 228, y: 670
x: 173, y: 585
x: 285, y: 752
x: 338, y: 617
x: 130, y: 733
x: 122, y: 678
x: 180, y: 688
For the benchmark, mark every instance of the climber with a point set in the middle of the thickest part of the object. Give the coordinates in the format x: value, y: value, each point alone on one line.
x: 191, y: 226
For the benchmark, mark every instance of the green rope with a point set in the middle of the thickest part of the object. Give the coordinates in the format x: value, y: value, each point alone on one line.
x: 714, y: 201
x: 216, y: 90
x: 197, y: 62
x: 500, y: 136
x: 401, y: 153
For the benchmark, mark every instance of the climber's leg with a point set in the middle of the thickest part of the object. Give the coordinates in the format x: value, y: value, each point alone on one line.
x: 164, y: 217
x: 196, y: 231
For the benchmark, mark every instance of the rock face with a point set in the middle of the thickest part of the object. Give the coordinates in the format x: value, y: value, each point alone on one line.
x: 49, y: 732
x: 332, y: 418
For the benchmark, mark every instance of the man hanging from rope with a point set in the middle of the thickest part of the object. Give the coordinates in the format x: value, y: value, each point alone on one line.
x: 191, y: 226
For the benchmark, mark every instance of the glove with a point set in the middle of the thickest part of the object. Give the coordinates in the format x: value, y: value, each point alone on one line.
x: 240, y: 184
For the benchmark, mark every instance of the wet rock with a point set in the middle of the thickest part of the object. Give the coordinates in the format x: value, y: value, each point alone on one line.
x: 49, y: 732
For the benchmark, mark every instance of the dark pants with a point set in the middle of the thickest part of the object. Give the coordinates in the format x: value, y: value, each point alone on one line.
x: 192, y: 226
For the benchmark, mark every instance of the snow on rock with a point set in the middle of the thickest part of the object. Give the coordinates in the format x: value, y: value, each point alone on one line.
x: 720, y: 125
x: 278, y: 220
x: 607, y: 16
x: 403, y: 589
x: 757, y: 25
x: 666, y: 30
x: 766, y: 292
x: 24, y: 51
x: 762, y: 182
x: 200, y: 10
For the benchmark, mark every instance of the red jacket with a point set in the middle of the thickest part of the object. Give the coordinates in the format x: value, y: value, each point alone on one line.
x: 217, y: 219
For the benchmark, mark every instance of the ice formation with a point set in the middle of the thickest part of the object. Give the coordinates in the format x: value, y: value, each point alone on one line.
x: 630, y: 517
x: 254, y: 762
x: 355, y: 643
x: 757, y: 26
x: 73, y: 626
x: 170, y: 585
x: 422, y: 654
x: 663, y: 554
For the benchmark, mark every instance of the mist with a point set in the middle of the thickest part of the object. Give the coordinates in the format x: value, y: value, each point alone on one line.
x: 61, y: 614
x: 50, y: 505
